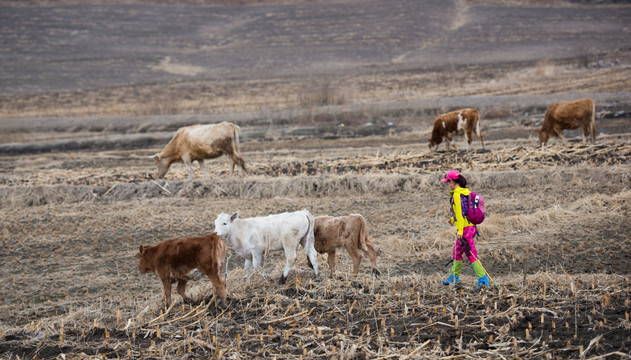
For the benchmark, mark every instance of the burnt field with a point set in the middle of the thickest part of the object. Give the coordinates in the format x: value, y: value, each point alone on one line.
x: 335, y: 105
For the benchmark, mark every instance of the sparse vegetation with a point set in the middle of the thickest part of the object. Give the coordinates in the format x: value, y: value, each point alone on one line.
x: 87, y: 222
x: 335, y: 104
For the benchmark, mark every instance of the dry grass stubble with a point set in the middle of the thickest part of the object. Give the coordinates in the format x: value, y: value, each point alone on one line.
x: 75, y: 287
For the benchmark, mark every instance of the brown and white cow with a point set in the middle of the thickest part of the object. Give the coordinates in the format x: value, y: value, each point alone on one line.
x: 464, y: 121
x: 349, y: 232
x: 200, y: 142
x: 570, y: 116
x: 176, y: 258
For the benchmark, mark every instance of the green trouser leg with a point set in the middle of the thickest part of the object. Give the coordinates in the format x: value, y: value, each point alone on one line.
x: 456, y: 267
x: 479, y: 270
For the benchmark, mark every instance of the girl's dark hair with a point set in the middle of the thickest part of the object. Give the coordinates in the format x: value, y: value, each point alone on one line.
x: 461, y: 181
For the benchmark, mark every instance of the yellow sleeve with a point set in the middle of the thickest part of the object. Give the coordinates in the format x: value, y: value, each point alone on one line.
x: 459, y: 220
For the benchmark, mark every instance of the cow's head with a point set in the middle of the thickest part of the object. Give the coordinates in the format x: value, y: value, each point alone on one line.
x: 433, y: 145
x: 145, y: 264
x: 543, y: 137
x: 162, y: 164
x: 223, y: 224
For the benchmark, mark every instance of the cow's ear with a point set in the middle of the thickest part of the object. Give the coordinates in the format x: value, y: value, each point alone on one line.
x: 538, y: 130
x: 234, y: 216
x: 142, y: 250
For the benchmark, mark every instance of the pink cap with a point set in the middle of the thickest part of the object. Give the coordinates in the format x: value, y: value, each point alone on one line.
x: 451, y: 175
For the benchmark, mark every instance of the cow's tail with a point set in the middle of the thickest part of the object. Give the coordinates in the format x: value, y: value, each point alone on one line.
x: 366, y: 246
x: 237, y: 158
x: 478, y: 127
x: 308, y: 240
x: 362, y: 234
x: 237, y: 146
x: 220, y: 257
x: 592, y: 124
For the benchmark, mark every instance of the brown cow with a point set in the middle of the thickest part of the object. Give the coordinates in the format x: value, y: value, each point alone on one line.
x: 199, y: 142
x: 177, y: 257
x: 568, y: 115
x: 348, y: 232
x: 458, y: 122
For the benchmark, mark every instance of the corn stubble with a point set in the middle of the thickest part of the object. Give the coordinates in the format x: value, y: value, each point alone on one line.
x: 74, y: 287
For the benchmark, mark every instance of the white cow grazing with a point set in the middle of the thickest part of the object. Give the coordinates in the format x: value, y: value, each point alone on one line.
x: 252, y: 237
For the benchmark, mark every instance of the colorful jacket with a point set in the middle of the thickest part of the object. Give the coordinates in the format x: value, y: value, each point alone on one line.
x: 460, y: 208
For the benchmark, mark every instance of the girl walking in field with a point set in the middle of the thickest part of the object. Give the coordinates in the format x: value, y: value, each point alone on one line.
x: 466, y: 231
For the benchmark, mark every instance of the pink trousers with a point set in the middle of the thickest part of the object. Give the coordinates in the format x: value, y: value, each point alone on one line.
x: 468, y: 233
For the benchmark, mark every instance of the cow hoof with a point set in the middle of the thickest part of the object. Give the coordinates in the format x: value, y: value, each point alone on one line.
x: 220, y: 303
x: 282, y: 280
x: 376, y: 272
x: 188, y: 301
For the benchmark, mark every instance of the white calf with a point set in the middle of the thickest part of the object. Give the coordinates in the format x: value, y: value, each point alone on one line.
x: 252, y: 237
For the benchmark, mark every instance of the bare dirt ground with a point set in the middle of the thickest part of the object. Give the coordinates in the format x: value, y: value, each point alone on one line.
x: 335, y: 102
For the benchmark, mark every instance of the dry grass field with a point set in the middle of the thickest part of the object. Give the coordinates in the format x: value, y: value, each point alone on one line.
x: 335, y: 105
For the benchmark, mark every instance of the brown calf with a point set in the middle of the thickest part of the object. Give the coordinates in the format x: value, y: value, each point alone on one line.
x: 464, y: 121
x: 348, y: 232
x: 568, y: 115
x: 177, y: 257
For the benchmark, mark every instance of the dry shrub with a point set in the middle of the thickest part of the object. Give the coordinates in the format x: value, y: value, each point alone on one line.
x: 560, y: 217
x: 45, y: 194
x: 349, y: 184
x: 543, y: 69
x: 321, y: 94
x: 496, y: 112
x: 536, y: 180
x: 162, y: 104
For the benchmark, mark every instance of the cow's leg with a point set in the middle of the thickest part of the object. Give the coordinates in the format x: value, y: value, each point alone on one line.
x: 468, y: 137
x: 559, y: 134
x: 202, y: 165
x: 353, y: 251
x: 478, y: 133
x: 220, y: 289
x: 236, y: 159
x: 331, y: 260
x: 166, y: 283
x: 372, y: 255
x: 312, y: 255
x: 248, y: 269
x: 257, y: 262
x: 242, y: 165
x: 585, y: 133
x: 451, y: 141
x: 290, y: 255
x: 181, y: 289
x: 188, y: 163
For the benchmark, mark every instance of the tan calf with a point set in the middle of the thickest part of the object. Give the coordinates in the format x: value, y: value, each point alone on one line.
x: 349, y: 232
